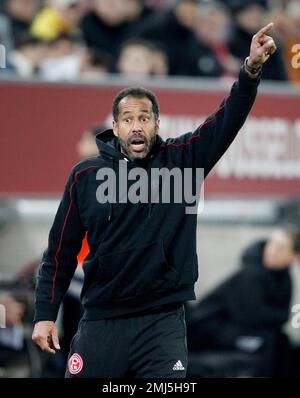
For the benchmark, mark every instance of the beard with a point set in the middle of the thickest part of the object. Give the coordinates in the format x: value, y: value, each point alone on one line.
x: 137, y: 145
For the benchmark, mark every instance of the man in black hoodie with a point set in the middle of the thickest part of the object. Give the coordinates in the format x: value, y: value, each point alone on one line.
x: 142, y: 265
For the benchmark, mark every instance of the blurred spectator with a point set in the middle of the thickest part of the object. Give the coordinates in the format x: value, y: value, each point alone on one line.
x: 94, y: 64
x: 141, y: 58
x: 16, y: 19
x: 58, y: 17
x: 68, y: 59
x: 6, y: 36
x: 249, y: 17
x: 104, y: 26
x: 173, y: 30
x: 63, y: 59
x: 12, y: 337
x: 254, y: 302
x: 287, y: 24
x: 195, y: 38
x: 111, y: 22
x: 26, y: 59
x: 62, y: 46
x: 160, y: 61
x: 136, y: 11
x: 213, y: 27
x: 14, y: 309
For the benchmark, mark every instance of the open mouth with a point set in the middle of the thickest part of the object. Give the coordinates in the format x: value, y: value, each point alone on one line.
x: 137, y: 144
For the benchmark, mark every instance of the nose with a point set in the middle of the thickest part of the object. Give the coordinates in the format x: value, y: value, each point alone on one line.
x: 136, y: 128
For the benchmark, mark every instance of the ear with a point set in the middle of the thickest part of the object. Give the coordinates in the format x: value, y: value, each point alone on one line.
x: 157, y: 125
x: 115, y: 128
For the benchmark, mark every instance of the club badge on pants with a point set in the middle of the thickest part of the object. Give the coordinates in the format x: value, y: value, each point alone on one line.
x: 75, y: 364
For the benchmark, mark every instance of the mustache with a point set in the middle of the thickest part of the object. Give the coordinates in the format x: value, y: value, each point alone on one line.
x: 137, y: 137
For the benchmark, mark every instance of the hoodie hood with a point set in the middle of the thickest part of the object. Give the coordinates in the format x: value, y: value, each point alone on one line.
x: 253, y: 255
x: 108, y: 144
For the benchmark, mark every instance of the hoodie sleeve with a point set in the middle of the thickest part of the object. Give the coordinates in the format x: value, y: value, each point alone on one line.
x: 59, y: 261
x: 206, y: 145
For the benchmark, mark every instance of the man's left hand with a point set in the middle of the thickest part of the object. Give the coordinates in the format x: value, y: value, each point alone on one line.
x: 262, y: 46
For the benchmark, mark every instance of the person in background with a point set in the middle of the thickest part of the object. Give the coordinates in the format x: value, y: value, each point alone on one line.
x: 136, y: 11
x: 16, y: 18
x: 6, y: 35
x: 160, y: 61
x: 57, y: 18
x: 12, y: 335
x: 62, y: 60
x: 104, y: 25
x: 248, y: 17
x: 141, y: 58
x: 254, y: 301
x: 174, y: 31
x: 94, y: 65
x: 111, y: 22
x: 14, y: 309
x: 27, y: 58
x: 68, y: 59
x: 213, y: 27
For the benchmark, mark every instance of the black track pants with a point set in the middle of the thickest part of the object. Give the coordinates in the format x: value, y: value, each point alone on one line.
x: 151, y: 345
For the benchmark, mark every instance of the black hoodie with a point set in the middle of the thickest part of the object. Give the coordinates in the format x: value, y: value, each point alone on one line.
x: 142, y: 255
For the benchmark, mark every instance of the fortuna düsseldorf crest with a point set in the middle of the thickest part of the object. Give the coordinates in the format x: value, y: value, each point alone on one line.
x: 75, y: 364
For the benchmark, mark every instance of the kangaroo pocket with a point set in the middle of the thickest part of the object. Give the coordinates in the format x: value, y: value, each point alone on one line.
x: 135, y: 271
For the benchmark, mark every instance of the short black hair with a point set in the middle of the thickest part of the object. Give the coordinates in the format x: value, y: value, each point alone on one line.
x: 138, y: 92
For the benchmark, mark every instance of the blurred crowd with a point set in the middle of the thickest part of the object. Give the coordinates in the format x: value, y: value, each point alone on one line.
x: 89, y: 39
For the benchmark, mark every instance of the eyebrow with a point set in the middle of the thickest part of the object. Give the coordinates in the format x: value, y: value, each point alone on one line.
x: 143, y: 110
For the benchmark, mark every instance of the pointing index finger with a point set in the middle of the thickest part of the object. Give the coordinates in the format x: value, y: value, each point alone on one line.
x: 265, y: 29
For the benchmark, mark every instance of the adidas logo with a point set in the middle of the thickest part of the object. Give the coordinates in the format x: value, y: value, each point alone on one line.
x: 178, y: 366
